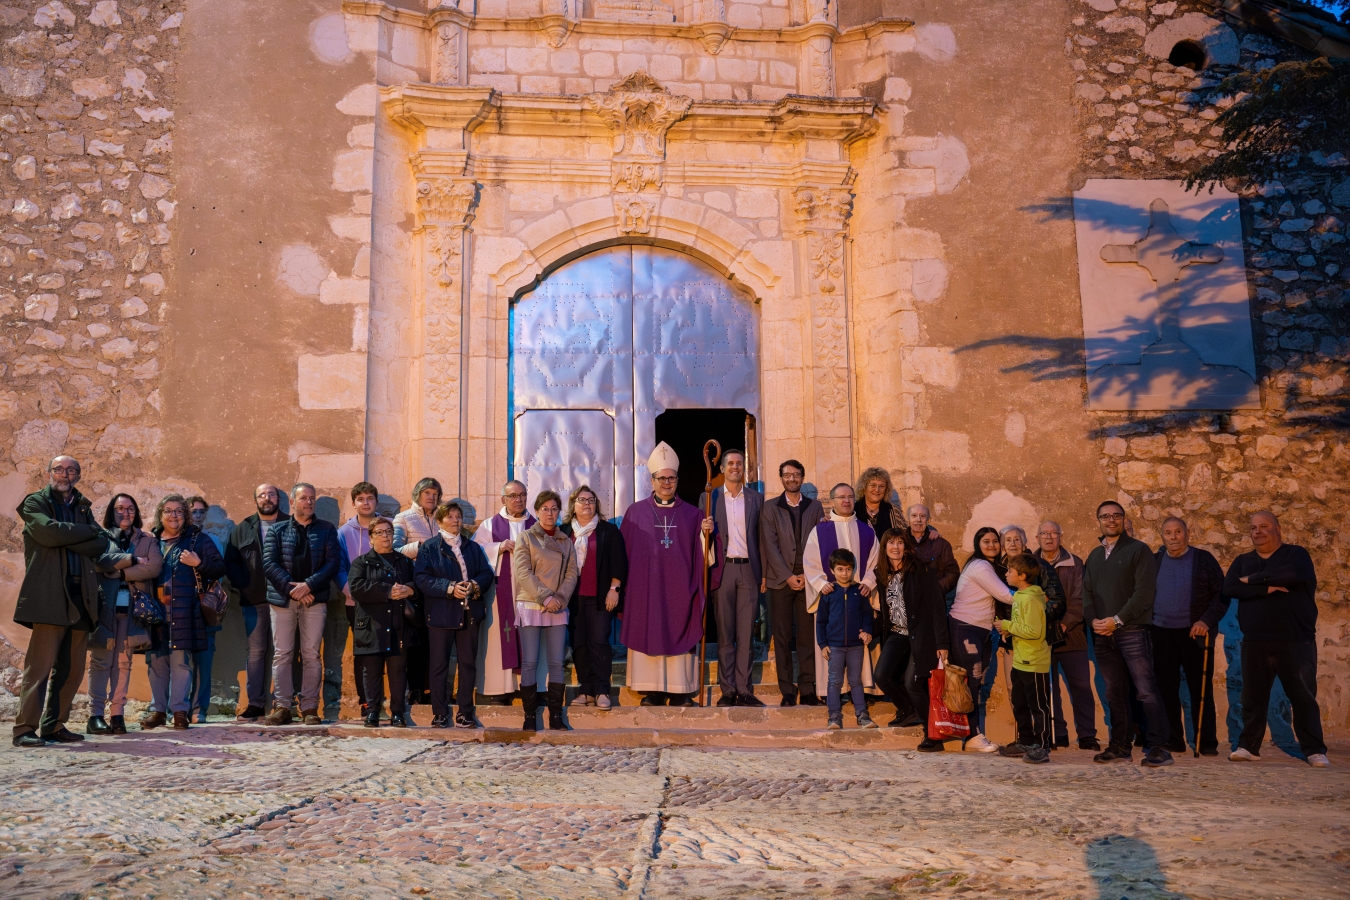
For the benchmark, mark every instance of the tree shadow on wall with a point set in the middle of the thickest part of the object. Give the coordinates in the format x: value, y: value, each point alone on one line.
x: 1126, y: 867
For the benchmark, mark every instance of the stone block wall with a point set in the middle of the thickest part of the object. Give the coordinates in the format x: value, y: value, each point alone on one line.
x: 1141, y: 117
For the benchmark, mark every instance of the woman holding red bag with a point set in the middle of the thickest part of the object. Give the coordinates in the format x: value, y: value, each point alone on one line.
x: 913, y: 633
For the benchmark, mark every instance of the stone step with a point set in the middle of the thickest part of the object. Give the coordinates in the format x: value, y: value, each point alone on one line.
x: 713, y: 718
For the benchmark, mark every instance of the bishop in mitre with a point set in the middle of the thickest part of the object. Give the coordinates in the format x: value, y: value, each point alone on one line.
x: 670, y: 544
x: 840, y: 529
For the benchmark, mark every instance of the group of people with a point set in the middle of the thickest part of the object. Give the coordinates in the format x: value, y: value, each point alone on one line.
x: 870, y: 597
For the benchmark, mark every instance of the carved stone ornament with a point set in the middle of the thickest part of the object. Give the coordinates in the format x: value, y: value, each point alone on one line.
x: 639, y: 112
x: 633, y: 11
x: 634, y: 212
x: 558, y: 19
x: 822, y: 212
x: 822, y: 208
x: 445, y: 55
x: 446, y: 201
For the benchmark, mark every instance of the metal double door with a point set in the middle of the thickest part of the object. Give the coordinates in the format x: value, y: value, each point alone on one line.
x: 603, y: 346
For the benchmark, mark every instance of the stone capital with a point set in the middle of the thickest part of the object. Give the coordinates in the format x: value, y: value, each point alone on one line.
x: 446, y: 201
x: 822, y: 208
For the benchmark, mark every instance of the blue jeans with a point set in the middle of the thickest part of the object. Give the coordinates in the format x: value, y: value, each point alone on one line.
x: 553, y: 637
x: 170, y: 681
x: 201, y: 678
x: 258, y: 631
x: 1122, y: 658
x: 850, y: 657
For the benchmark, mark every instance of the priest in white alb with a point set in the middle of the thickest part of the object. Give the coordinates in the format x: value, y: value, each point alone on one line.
x: 670, y: 544
x: 840, y: 529
x: 499, y: 653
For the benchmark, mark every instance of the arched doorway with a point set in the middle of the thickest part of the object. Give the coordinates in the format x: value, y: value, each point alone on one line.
x: 608, y: 342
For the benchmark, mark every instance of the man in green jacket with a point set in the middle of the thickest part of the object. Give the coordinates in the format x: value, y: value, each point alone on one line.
x: 1120, y: 578
x: 58, y: 600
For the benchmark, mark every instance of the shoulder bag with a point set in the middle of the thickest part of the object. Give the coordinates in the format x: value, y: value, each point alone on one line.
x: 212, y: 597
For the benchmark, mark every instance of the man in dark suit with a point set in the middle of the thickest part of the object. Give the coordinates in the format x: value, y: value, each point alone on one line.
x: 248, y: 585
x: 786, y: 523
x: 736, y: 510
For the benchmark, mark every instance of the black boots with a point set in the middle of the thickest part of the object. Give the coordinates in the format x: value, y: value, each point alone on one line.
x: 529, y: 696
x: 557, y: 693
x: 97, y: 725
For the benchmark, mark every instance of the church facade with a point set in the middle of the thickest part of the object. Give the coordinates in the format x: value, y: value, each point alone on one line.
x: 382, y: 239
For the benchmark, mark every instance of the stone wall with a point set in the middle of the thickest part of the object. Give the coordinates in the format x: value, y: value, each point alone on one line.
x: 1141, y: 117
x: 88, y: 94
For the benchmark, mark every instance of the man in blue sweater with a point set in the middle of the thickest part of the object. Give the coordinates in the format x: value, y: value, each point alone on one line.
x: 1276, y: 588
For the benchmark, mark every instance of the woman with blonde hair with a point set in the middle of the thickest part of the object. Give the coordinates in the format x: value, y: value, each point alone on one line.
x: 602, y: 567
x: 873, y: 490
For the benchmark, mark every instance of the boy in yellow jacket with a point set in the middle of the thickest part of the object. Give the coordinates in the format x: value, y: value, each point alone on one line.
x: 1030, y: 674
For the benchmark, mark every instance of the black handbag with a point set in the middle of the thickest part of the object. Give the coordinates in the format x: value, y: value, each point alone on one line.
x: 212, y: 597
x: 146, y: 609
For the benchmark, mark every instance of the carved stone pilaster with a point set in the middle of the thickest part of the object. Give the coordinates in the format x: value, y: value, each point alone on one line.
x: 447, y: 52
x: 822, y: 214
x: 818, y: 66
x: 445, y: 209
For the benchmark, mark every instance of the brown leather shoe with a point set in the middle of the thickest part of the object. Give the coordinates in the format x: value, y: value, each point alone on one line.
x: 281, y: 715
x: 153, y: 720
x: 180, y: 721
x: 311, y: 717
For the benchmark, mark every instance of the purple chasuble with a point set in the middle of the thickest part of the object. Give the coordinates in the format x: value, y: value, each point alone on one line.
x: 829, y: 542
x: 663, y: 597
x: 506, y: 598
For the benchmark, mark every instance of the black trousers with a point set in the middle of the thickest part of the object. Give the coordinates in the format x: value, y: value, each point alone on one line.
x: 416, y: 653
x: 1175, y: 650
x: 1295, y: 664
x: 591, y: 653
x: 465, y: 643
x: 359, y: 678
x: 787, y: 614
x: 373, y: 669
x: 895, y: 674
x: 1073, y: 666
x: 1031, y: 705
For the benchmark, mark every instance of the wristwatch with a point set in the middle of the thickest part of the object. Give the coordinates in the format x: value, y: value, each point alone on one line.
x: 1116, y: 619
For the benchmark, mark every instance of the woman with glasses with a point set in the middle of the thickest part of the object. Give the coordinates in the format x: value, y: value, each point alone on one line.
x: 978, y: 591
x: 544, y: 577
x: 190, y: 560
x: 381, y: 581
x: 453, y: 575
x: 117, y: 636
x: 602, y: 566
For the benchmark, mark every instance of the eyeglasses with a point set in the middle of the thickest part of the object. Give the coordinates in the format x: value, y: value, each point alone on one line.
x: 520, y: 496
x: 665, y: 479
x: 1111, y: 517
x: 171, y: 514
x: 586, y: 501
x: 66, y: 470
x: 1047, y: 534
x: 382, y: 532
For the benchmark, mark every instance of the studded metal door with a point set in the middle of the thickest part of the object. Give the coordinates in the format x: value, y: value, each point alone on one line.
x: 627, y: 333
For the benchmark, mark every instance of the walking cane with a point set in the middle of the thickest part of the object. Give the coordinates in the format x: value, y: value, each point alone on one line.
x: 1208, y: 675
x: 708, y: 464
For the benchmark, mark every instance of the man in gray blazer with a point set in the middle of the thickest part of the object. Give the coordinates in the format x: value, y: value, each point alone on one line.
x: 784, y: 526
x: 736, y: 510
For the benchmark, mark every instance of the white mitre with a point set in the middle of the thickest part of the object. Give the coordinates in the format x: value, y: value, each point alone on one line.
x: 663, y: 457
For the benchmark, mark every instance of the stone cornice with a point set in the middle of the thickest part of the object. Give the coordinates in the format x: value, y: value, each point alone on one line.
x: 702, y: 31
x: 422, y: 106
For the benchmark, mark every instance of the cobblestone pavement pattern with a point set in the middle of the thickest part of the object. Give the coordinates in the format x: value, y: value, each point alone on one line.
x: 231, y: 813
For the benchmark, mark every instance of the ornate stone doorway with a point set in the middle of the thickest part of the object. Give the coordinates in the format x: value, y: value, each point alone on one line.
x: 608, y: 342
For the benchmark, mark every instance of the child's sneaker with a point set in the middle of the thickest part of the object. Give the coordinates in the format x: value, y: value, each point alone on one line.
x: 980, y: 744
x: 865, y: 721
x: 1036, y: 755
x: 835, y: 723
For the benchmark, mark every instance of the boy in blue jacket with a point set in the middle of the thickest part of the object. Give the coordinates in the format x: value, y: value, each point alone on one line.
x: 843, y: 630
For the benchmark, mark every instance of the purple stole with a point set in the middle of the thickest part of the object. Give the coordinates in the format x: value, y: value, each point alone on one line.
x: 829, y: 542
x: 506, y: 600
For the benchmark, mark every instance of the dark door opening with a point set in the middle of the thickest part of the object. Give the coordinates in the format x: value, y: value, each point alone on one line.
x: 686, y: 431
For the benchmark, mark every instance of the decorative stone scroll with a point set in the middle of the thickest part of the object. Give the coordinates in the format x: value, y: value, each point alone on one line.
x: 444, y: 211
x: 822, y: 212
x: 1166, y: 315
x: 638, y: 112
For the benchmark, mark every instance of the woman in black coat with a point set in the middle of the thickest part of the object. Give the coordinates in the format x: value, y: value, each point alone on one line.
x: 381, y: 582
x: 602, y: 563
x: 453, y: 574
x: 913, y: 617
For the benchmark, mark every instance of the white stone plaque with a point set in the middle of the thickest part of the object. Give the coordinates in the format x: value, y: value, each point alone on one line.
x: 1166, y: 315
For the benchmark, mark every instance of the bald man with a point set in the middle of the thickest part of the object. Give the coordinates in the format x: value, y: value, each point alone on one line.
x: 247, y: 584
x: 1276, y: 589
x: 58, y: 601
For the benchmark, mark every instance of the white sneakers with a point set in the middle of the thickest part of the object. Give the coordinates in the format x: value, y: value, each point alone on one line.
x: 602, y: 701
x: 980, y: 744
x: 1319, y: 761
x: 583, y: 700
x: 1243, y: 755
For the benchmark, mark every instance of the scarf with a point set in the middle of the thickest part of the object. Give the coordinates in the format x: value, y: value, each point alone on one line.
x: 579, y: 535
x: 452, y: 541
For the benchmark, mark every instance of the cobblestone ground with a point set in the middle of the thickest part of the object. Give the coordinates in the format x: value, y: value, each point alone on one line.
x: 220, y: 812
